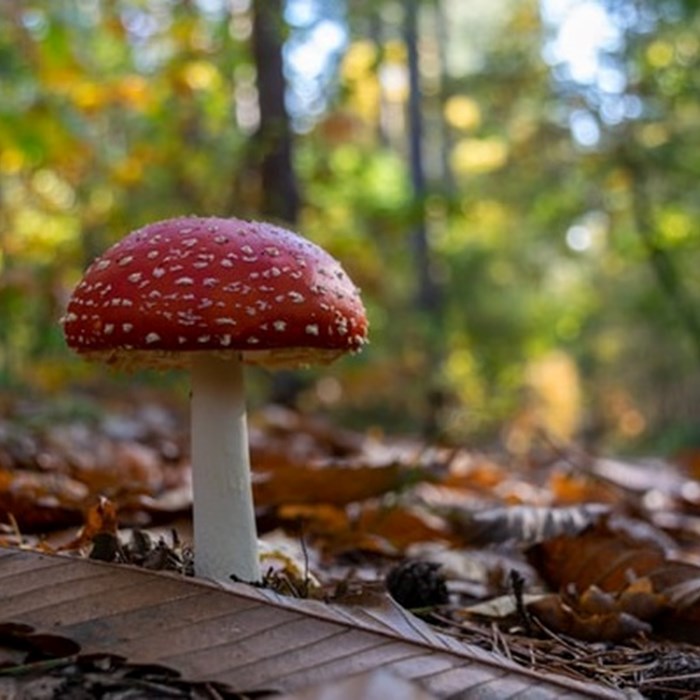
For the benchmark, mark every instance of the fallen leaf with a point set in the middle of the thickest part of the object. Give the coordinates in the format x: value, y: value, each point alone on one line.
x: 599, y: 556
x: 479, y: 573
x: 643, y: 578
x: 573, y: 487
x: 101, y: 518
x: 252, y: 638
x: 499, y: 608
x: 38, y: 500
x: 373, y: 685
x: 614, y: 626
x: 474, y: 472
x: 336, y: 484
x: 659, y: 477
x: 402, y: 525
x: 521, y: 523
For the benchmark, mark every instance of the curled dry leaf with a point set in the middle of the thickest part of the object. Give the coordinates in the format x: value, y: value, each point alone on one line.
x: 597, y: 615
x: 640, y: 599
x: 614, y: 626
x: 101, y: 518
x: 642, y: 577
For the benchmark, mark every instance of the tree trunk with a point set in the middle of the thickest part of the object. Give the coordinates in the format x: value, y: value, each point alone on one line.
x: 428, y: 297
x: 279, y: 197
x: 279, y: 189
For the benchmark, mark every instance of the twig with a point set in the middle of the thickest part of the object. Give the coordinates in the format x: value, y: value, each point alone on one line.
x: 671, y: 679
x: 305, y: 555
x: 36, y: 666
x: 517, y: 583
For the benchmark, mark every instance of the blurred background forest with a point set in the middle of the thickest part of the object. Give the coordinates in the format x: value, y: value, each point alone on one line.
x: 512, y: 183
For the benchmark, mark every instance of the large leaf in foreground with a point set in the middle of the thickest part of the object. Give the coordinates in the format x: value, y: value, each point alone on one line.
x: 251, y: 638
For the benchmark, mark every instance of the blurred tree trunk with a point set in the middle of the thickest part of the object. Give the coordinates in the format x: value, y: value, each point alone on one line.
x: 6, y: 364
x: 441, y: 37
x: 428, y: 297
x: 273, y: 147
x: 273, y: 141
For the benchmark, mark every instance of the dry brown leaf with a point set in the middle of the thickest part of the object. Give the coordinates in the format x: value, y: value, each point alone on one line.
x: 252, y: 638
x: 599, y: 556
x: 374, y: 685
x: 278, y: 422
x: 689, y: 459
x: 570, y: 487
x: 282, y: 438
x: 479, y: 573
x: 500, y: 608
x: 641, y: 600
x: 337, y: 484
x: 37, y: 500
x: 598, y: 615
x: 522, y: 524
x: 661, y: 477
x: 644, y: 580
x: 680, y: 583
x: 375, y: 528
x: 99, y: 518
x: 119, y: 467
x: 474, y: 473
x: 317, y: 519
x: 331, y: 530
x: 402, y: 526
x: 610, y: 626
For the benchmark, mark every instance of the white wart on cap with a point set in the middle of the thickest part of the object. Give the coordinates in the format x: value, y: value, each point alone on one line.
x: 192, y: 284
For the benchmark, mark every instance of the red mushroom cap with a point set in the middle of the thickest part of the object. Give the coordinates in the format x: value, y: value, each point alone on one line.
x: 207, y: 284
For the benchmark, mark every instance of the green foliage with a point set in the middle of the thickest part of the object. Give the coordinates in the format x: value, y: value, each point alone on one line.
x: 113, y: 115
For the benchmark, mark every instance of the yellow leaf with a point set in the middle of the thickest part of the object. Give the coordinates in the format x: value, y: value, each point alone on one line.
x: 462, y: 112
x: 479, y: 155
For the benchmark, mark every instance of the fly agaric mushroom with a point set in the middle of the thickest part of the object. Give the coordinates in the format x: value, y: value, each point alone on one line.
x: 207, y: 294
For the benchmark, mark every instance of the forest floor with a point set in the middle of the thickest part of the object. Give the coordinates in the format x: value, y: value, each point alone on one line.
x: 555, y: 559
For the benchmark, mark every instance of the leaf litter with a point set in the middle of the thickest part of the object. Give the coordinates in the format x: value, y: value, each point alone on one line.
x: 594, y: 560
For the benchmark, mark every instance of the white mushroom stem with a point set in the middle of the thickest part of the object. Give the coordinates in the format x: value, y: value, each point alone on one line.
x: 225, y: 537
